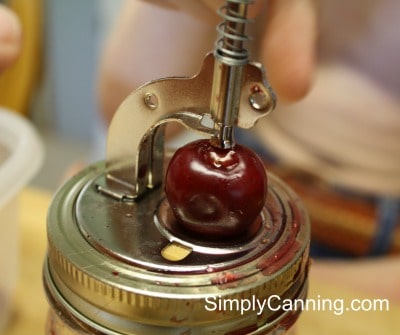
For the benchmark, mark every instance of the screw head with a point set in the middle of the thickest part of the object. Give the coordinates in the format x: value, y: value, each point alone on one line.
x: 259, y: 101
x: 151, y: 100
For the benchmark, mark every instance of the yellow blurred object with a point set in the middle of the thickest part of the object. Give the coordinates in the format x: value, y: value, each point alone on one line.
x: 18, y: 82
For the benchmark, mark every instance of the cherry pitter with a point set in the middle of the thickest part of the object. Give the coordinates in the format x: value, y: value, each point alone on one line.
x: 199, y: 240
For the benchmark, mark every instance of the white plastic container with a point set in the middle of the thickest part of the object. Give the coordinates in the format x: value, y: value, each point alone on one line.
x: 21, y: 155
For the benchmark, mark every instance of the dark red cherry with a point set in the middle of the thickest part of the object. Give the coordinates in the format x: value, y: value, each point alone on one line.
x: 214, y: 192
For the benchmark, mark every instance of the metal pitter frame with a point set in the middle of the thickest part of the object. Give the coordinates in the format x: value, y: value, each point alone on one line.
x: 229, y: 89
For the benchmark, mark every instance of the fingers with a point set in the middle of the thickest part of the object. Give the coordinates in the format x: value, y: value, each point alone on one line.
x: 288, y: 47
x: 198, y: 9
x: 10, y: 37
x: 206, y: 10
x: 253, y: 9
x: 287, y: 44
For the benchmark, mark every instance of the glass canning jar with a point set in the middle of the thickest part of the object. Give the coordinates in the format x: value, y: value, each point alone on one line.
x: 117, y: 267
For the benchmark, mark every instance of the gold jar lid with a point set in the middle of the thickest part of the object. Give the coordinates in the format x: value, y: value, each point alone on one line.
x: 116, y: 266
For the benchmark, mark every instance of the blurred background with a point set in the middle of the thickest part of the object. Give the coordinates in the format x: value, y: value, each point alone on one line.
x: 54, y: 81
x: 54, y: 85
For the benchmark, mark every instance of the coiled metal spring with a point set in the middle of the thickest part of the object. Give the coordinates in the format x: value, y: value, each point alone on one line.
x: 229, y: 47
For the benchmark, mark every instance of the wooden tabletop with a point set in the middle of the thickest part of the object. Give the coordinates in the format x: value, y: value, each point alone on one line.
x: 30, y: 306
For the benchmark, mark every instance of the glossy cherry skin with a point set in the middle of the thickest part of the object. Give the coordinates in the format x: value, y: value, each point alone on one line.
x: 215, y: 193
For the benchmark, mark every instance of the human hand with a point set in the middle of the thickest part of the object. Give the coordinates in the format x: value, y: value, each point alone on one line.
x: 287, y: 44
x: 10, y: 37
x: 156, y: 38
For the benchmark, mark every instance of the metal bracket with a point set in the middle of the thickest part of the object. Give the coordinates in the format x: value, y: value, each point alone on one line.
x: 135, y: 145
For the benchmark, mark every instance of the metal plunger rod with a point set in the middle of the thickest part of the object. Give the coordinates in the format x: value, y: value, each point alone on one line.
x: 230, y: 58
